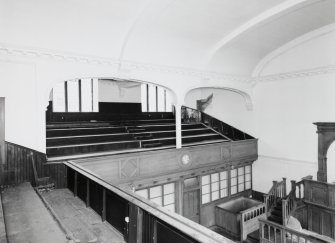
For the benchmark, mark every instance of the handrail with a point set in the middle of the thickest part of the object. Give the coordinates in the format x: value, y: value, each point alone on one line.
x: 270, y: 232
x: 191, y: 115
x: 185, y: 225
x: 277, y: 192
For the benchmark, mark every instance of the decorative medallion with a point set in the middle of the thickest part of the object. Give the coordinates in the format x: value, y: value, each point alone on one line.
x: 185, y: 159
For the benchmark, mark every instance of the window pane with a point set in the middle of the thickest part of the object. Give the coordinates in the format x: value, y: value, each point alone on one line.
x: 143, y: 193
x: 95, y: 95
x: 248, y: 177
x: 233, y: 190
x: 241, y: 179
x: 73, y: 96
x: 205, y: 189
x: 224, y: 193
x: 169, y: 188
x: 241, y: 171
x: 205, y: 198
x: 215, y: 195
x: 215, y: 177
x: 223, y: 175
x: 205, y: 180
x: 86, y: 95
x: 248, y: 185
x: 241, y: 187
x: 168, y: 101
x: 58, y: 97
x: 144, y: 97
x: 233, y: 173
x: 215, y: 186
x: 157, y: 200
x: 155, y: 191
x: 161, y: 99
x: 152, y: 98
x: 223, y: 184
x: 248, y: 169
x: 168, y: 199
x: 233, y: 181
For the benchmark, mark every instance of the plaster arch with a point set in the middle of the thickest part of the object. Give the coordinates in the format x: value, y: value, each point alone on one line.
x: 247, y: 97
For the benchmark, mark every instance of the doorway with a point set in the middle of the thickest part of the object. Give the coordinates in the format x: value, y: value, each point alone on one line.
x: 191, y: 199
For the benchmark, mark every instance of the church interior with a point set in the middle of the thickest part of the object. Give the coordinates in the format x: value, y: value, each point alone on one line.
x: 167, y: 121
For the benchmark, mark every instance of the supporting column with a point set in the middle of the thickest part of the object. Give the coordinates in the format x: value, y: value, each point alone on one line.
x: 178, y: 126
x: 2, y: 139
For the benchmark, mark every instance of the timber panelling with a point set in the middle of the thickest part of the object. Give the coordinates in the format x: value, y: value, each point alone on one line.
x: 18, y: 167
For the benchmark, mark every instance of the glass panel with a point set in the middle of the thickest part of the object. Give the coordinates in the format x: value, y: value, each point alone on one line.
x: 223, y: 175
x: 215, y: 186
x: 223, y: 184
x: 205, y: 189
x: 205, y: 198
x: 248, y: 177
x: 224, y: 193
x: 161, y: 99
x: 241, y: 187
x: 168, y: 199
x: 233, y: 181
x: 144, y: 97
x: 170, y: 207
x: 95, y: 97
x: 168, y: 101
x: 58, y: 97
x: 155, y: 191
x: 152, y: 98
x: 248, y: 169
x: 157, y: 200
x: 233, y: 190
x: 233, y: 173
x: 215, y: 195
x: 86, y: 95
x: 241, y: 171
x: 73, y: 96
x: 241, y: 179
x: 169, y: 188
x: 205, y: 180
x: 248, y: 185
x: 215, y: 177
x: 143, y: 193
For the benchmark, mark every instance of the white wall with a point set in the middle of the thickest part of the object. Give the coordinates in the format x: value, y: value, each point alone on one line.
x: 109, y: 92
x: 226, y: 106
x: 286, y: 108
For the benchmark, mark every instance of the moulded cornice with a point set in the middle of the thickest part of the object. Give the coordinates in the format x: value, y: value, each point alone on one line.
x: 296, y: 74
x: 125, y: 66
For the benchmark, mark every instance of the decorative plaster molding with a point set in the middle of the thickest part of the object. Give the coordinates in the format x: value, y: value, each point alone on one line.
x: 125, y: 67
x: 296, y: 74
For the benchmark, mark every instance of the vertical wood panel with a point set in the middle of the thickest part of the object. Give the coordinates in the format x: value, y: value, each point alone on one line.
x: 18, y: 167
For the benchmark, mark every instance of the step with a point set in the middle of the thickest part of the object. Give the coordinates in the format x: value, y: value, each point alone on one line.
x: 275, y: 219
x: 277, y: 212
x: 77, y: 125
x: 84, y: 131
x: 152, y: 145
x: 90, y: 148
x: 57, y: 141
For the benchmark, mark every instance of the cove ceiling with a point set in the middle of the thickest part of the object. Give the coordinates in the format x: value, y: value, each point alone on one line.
x: 224, y: 36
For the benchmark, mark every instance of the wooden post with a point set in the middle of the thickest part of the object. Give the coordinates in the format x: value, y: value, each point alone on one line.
x: 293, y: 187
x: 75, y: 191
x: 284, y: 212
x: 103, y: 217
x: 88, y: 192
x: 2, y: 139
x: 284, y: 187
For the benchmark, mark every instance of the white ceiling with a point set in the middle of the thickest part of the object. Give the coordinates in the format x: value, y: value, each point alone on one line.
x: 225, y: 36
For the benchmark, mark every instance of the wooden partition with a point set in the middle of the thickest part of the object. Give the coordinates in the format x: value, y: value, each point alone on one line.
x: 136, y: 218
x: 249, y: 219
x: 18, y: 167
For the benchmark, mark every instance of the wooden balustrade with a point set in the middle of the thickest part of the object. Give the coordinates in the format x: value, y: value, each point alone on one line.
x: 270, y: 232
x: 277, y: 191
x: 249, y: 219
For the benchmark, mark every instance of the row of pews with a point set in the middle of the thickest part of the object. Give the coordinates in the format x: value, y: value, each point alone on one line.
x: 78, y: 138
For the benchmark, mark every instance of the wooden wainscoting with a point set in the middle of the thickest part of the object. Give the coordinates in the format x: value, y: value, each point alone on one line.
x: 18, y: 166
